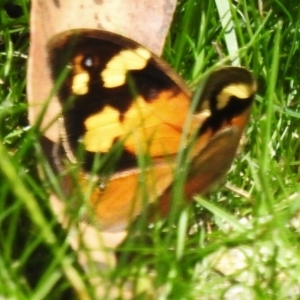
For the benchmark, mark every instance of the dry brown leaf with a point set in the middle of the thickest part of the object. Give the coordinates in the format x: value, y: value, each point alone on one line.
x: 144, y: 21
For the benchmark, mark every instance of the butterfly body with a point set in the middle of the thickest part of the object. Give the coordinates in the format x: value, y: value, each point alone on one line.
x: 116, y: 95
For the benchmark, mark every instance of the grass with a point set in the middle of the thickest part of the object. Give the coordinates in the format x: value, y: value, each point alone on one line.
x: 240, y: 242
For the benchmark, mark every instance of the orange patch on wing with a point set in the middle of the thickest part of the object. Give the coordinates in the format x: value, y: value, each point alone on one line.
x: 123, y: 198
x: 154, y: 127
x: 241, y: 120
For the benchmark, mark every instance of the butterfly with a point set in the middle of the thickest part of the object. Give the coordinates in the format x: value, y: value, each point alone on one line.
x: 126, y: 117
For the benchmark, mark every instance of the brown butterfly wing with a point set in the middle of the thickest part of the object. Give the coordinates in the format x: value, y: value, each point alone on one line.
x: 228, y: 95
x: 100, y: 108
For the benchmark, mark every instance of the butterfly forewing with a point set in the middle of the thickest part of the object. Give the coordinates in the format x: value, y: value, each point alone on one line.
x: 106, y: 108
